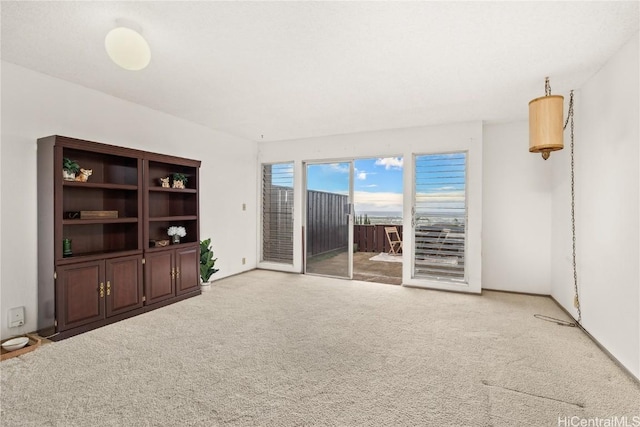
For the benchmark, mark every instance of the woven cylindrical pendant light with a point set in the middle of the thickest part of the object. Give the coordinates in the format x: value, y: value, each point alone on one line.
x: 545, y: 123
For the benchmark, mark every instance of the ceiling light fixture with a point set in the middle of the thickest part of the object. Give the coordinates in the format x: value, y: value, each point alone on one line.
x: 127, y: 48
x: 545, y: 123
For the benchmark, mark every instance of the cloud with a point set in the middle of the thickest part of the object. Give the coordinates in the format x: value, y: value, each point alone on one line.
x: 366, y: 201
x: 339, y: 167
x: 361, y: 175
x: 390, y: 162
x: 434, y: 204
x: 436, y: 196
x: 439, y: 204
x: 370, y: 185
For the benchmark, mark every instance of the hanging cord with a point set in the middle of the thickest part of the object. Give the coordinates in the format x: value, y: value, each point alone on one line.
x: 547, y: 90
x: 576, y: 298
x: 554, y: 320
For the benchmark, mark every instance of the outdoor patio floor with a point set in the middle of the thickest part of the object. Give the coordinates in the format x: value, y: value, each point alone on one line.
x: 363, y: 268
x: 376, y: 271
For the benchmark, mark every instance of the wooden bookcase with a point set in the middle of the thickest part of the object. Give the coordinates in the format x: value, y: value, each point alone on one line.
x: 172, y: 271
x: 106, y: 277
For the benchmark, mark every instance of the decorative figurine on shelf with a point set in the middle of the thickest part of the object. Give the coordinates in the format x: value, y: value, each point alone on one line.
x: 69, y: 169
x: 176, y: 232
x: 179, y: 180
x: 84, y: 175
x: 66, y: 248
x: 164, y: 182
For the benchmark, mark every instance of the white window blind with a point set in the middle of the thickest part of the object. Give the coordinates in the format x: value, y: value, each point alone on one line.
x: 277, y: 213
x: 440, y: 217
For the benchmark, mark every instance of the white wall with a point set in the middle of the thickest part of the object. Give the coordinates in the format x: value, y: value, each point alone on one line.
x: 397, y: 142
x: 516, y: 219
x: 607, y: 209
x: 35, y: 105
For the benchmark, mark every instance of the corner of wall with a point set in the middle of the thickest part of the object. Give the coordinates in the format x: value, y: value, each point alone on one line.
x: 607, y: 208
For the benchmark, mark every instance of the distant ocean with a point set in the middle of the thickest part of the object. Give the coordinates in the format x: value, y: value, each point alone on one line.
x: 395, y: 218
x: 381, y: 217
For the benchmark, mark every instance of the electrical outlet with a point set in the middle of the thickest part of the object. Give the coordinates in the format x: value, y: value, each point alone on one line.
x: 244, y: 261
x: 16, y: 317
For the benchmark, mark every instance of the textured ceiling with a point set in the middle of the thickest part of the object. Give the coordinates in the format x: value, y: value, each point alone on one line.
x: 282, y: 70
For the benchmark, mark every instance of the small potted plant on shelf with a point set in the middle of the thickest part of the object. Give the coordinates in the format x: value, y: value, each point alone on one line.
x: 69, y: 169
x: 207, y: 263
x: 176, y: 232
x: 179, y: 180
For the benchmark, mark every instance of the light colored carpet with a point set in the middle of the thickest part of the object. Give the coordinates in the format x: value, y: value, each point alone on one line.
x: 274, y: 349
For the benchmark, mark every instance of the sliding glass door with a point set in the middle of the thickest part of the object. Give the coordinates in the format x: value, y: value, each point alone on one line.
x: 329, y: 219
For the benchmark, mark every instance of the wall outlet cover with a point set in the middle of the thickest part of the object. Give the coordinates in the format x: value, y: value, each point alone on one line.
x: 16, y: 317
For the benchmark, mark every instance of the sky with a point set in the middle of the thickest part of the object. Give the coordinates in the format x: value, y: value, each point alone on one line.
x: 377, y: 183
x: 439, y: 186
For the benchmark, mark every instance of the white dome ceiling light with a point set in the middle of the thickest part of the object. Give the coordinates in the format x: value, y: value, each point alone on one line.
x: 127, y: 48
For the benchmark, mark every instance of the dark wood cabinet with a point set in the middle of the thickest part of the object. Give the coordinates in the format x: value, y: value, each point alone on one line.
x: 160, y: 281
x: 172, y: 272
x: 187, y: 270
x: 123, y: 286
x: 92, y: 291
x: 80, y: 294
x: 97, y: 260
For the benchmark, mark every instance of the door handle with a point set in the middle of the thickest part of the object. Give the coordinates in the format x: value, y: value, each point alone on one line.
x: 108, y: 288
x: 101, y: 289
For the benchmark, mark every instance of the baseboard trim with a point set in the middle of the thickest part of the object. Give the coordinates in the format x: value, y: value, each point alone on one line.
x: 516, y: 292
x: 597, y: 343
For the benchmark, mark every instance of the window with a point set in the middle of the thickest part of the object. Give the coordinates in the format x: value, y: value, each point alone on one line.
x: 439, y: 217
x: 277, y: 213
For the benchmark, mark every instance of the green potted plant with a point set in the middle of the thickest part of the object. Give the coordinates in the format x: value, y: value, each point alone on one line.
x: 207, y: 263
x: 179, y: 180
x: 69, y: 169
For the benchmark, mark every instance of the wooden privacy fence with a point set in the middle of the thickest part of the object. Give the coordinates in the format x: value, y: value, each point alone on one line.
x: 277, y: 223
x: 326, y: 222
x: 372, y: 238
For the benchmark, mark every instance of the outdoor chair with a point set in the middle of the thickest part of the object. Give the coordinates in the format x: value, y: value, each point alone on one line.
x: 393, y: 237
x: 442, y: 238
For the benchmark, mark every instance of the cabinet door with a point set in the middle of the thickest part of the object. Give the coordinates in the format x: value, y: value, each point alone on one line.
x: 124, y: 284
x: 187, y: 270
x: 80, y: 294
x: 159, y: 273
